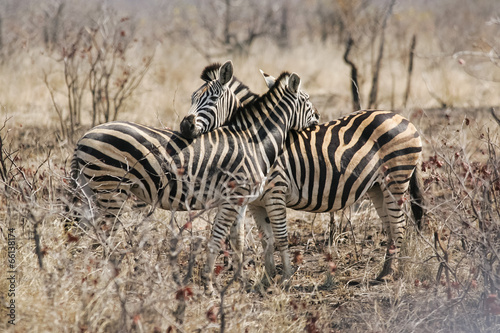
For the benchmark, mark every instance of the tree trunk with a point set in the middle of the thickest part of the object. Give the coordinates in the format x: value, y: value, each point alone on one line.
x: 373, y: 93
x: 410, y: 69
x: 356, y: 103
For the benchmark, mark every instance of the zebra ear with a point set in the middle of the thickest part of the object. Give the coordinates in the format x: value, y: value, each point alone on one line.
x: 270, y: 80
x: 226, y: 72
x: 294, y: 83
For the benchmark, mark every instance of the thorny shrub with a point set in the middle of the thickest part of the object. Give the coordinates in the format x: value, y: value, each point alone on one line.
x: 464, y: 177
x: 28, y: 190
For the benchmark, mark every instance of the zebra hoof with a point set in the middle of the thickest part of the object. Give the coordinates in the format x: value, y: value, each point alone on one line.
x: 387, y: 274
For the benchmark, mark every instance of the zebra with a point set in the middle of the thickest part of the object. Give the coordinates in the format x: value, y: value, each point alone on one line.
x: 233, y: 94
x: 225, y: 168
x: 331, y: 166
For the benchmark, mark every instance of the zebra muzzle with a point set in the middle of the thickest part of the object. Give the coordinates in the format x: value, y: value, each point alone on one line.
x: 188, y: 127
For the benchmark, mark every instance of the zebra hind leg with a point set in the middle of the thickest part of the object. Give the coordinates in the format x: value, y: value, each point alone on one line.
x: 95, y: 201
x: 393, y: 220
x: 417, y: 197
x: 267, y: 238
x: 110, y: 204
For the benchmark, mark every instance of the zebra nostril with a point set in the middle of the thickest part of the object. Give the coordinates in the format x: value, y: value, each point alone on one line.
x: 188, y: 127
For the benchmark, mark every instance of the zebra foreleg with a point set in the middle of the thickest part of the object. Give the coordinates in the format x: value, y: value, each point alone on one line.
x: 276, y: 211
x: 237, y: 241
x: 227, y: 215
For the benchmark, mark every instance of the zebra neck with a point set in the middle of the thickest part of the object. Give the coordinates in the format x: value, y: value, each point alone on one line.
x: 267, y: 121
x: 227, y: 107
x: 238, y: 96
x: 243, y: 94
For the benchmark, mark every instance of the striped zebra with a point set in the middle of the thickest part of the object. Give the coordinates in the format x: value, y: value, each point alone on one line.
x: 330, y: 166
x: 225, y: 168
x: 111, y: 196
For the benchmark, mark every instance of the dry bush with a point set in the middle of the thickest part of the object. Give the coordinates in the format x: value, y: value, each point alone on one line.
x: 140, y: 279
x: 98, y: 64
x: 465, y: 175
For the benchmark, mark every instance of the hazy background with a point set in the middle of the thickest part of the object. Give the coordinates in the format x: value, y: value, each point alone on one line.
x: 308, y: 37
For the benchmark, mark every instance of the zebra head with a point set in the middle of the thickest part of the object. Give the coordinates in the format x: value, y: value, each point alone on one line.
x: 307, y: 114
x: 214, y: 102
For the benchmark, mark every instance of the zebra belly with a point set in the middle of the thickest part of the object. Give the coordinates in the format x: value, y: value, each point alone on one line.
x: 191, y: 193
x: 329, y: 202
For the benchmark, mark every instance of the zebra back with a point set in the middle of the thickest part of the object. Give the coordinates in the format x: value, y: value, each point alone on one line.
x: 333, y: 164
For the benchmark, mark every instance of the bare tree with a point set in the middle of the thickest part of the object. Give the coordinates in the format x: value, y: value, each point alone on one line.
x: 1, y: 36
x: 284, y: 35
x: 111, y: 79
x: 495, y: 116
x: 75, y: 80
x: 243, y: 23
x: 53, y: 12
x: 410, y: 69
x: 374, y: 90
x: 97, y: 63
x: 356, y: 101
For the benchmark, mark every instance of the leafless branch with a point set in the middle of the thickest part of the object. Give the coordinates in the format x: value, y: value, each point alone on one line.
x: 497, y: 119
x: 410, y: 68
x: 374, y: 89
x: 64, y: 129
x: 356, y: 101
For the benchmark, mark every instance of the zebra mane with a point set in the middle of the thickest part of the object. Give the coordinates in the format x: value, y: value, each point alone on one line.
x: 280, y: 82
x: 210, y: 72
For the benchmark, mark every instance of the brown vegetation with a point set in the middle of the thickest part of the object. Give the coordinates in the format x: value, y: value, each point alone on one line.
x: 145, y: 277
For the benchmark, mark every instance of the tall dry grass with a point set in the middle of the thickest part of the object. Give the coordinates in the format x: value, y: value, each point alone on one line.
x: 128, y: 283
x: 139, y: 278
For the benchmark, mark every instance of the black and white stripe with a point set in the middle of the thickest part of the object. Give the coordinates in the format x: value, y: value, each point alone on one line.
x: 214, y: 103
x: 331, y: 166
x: 225, y: 168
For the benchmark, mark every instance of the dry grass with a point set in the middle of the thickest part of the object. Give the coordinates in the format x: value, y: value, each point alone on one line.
x: 129, y: 283
x: 164, y: 95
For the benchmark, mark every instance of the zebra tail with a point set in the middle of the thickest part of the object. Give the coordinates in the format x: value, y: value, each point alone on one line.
x: 71, y: 198
x: 73, y: 175
x: 417, y: 196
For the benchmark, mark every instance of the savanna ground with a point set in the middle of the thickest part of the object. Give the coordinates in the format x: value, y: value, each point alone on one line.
x: 145, y: 276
